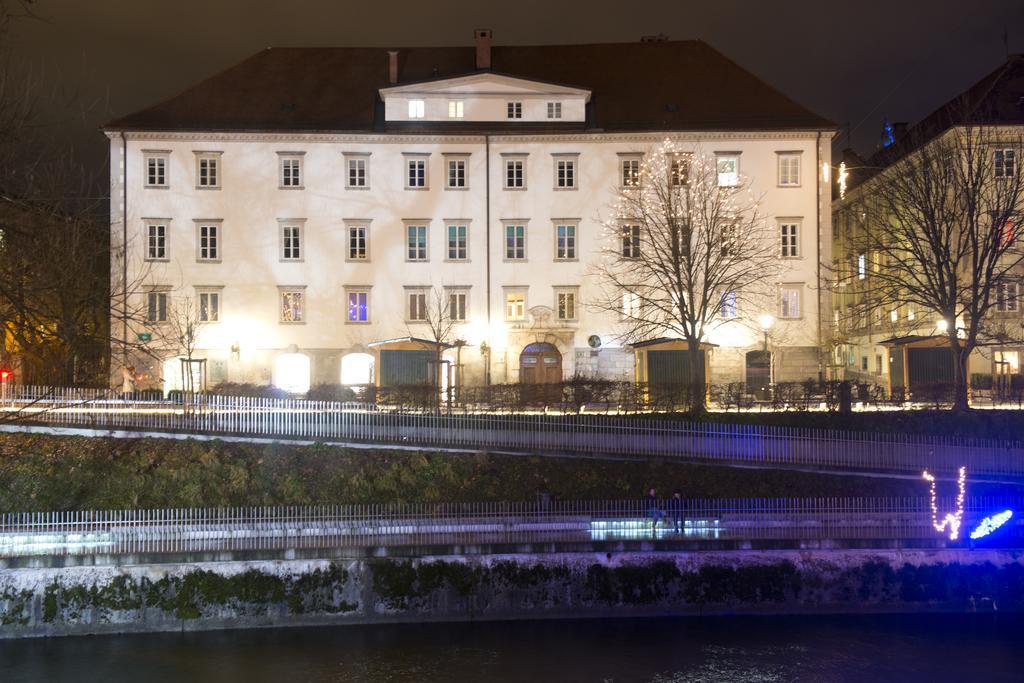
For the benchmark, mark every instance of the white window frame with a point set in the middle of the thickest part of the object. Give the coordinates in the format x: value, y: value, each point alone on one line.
x: 352, y: 224
x: 287, y: 181
x: 418, y: 226
x: 1008, y: 297
x: 789, y: 238
x: 457, y: 162
x: 417, y: 302
x: 727, y: 307
x: 448, y: 225
x: 458, y: 315
x: 157, y: 299
x: 786, y: 294
x: 506, y: 225
x: 291, y: 290
x: 566, y: 167
x: 296, y: 229
x: 1000, y: 157
x: 204, y: 297
x: 514, y: 110
x: 635, y: 240
x: 417, y: 109
x: 159, y: 176
x: 358, y: 291
x: 554, y: 110
x: 788, y: 177
x: 727, y: 178
x: 212, y: 162
x: 629, y: 169
x: 411, y: 159
x: 353, y: 161
x: 574, y: 294
x: 679, y: 161
x: 510, y: 176
x: 519, y: 313
x: 211, y: 242
x: 456, y: 109
x: 631, y: 305
x: 157, y: 239
x: 572, y: 239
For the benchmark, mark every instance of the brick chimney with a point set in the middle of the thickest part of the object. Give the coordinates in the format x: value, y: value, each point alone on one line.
x: 392, y: 66
x: 482, y: 38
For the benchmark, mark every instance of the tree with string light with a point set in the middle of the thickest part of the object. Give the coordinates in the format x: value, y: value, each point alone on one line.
x: 685, y: 249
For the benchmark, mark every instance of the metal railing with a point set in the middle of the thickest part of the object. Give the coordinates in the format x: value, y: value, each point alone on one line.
x: 618, y: 435
x: 860, y: 521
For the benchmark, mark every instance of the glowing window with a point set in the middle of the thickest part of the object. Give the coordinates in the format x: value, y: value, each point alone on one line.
x: 291, y: 373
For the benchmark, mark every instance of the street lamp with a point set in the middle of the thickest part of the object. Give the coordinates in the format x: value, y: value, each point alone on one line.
x: 766, y: 320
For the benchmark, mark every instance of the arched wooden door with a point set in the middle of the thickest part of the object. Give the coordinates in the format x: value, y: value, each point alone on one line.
x: 540, y: 363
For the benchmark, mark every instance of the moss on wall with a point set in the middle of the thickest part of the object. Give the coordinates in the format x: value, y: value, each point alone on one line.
x: 504, y: 587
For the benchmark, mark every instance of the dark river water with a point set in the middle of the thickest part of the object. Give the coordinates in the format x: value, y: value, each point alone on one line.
x: 964, y: 648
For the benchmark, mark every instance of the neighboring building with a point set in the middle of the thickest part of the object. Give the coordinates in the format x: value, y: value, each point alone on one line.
x: 311, y: 201
x: 900, y: 347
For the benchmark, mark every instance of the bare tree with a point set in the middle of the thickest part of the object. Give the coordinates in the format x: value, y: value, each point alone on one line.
x: 684, y: 246
x: 940, y: 234
x: 54, y: 234
x: 180, y: 334
x: 441, y: 322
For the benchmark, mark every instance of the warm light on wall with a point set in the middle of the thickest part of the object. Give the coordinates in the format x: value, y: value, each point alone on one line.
x: 291, y: 373
x: 357, y: 368
x: 730, y: 334
x: 826, y: 172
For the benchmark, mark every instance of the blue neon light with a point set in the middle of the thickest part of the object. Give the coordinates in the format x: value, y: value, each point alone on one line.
x: 990, y: 524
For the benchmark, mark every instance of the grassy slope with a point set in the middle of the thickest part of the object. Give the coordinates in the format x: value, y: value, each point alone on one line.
x: 66, y: 473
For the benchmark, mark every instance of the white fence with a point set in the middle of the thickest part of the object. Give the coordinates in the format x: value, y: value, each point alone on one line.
x: 626, y: 435
x: 855, y: 521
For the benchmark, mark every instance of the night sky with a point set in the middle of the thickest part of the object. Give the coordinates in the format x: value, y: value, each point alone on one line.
x: 853, y: 62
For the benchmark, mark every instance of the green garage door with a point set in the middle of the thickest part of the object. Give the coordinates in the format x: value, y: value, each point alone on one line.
x: 929, y: 366
x: 668, y: 374
x: 406, y: 367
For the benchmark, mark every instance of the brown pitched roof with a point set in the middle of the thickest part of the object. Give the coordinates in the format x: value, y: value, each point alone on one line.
x: 672, y: 85
x: 997, y: 99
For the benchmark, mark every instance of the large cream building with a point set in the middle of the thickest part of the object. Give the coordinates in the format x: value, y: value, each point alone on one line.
x: 313, y: 202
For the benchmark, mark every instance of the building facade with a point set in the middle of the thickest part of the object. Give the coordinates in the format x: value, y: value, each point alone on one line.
x: 900, y: 345
x: 318, y: 207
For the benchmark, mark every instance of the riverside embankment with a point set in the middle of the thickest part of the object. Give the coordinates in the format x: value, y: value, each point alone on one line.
x: 260, y: 593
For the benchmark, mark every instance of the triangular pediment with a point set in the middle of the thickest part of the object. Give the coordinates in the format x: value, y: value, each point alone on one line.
x: 487, y: 83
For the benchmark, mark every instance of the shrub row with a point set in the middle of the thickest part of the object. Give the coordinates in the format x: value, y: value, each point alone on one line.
x: 81, y: 473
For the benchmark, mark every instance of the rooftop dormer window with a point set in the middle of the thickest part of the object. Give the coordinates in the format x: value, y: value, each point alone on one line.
x: 484, y: 97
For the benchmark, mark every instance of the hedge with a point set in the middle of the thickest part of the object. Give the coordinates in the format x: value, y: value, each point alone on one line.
x: 80, y: 473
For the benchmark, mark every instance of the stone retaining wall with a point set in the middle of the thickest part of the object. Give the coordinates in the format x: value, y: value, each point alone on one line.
x: 83, y: 600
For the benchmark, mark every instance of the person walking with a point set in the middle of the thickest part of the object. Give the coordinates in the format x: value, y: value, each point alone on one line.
x: 675, y: 510
x: 654, y: 510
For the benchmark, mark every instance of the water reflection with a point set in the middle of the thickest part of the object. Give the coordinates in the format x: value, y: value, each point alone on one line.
x: 746, y: 649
